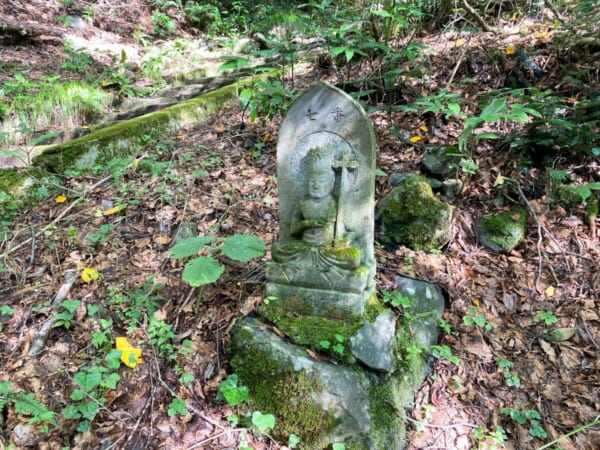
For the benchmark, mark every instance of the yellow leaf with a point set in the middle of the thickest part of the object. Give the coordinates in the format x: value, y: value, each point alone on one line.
x: 499, y: 180
x: 134, y: 164
x: 266, y: 138
x: 476, y: 302
x: 130, y: 355
x: 423, y: 128
x: 549, y: 291
x: 60, y: 199
x: 88, y: 275
x: 113, y: 210
x: 415, y: 139
x: 460, y: 42
x: 162, y: 239
x: 509, y: 50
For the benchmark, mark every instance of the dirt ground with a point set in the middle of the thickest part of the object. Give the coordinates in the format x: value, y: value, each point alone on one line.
x: 210, y: 182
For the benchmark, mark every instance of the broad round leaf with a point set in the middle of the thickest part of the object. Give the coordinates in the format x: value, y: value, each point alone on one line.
x: 189, y: 246
x: 243, y: 247
x: 87, y: 380
x: 202, y: 270
x: 262, y: 421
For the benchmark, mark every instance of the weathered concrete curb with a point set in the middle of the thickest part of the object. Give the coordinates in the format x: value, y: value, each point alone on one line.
x: 128, y: 137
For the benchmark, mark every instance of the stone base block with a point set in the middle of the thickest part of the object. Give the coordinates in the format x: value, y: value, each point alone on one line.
x: 304, y: 301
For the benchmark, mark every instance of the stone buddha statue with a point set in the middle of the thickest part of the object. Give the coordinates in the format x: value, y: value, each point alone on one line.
x: 319, y: 253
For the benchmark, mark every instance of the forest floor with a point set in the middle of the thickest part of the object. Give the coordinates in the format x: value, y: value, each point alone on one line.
x: 218, y: 178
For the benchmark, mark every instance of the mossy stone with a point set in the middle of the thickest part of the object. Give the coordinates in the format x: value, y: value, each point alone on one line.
x: 24, y: 188
x: 411, y: 215
x: 501, y: 232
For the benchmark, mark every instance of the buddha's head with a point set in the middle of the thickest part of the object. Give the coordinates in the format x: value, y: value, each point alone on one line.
x: 320, y: 175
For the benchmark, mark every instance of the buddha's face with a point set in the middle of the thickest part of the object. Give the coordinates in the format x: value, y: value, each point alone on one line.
x: 320, y: 183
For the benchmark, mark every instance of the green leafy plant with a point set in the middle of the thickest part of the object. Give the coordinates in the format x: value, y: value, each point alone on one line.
x: 395, y: 299
x: 528, y: 415
x: 337, y: 346
x: 512, y: 379
x: 133, y: 305
x: 91, y: 383
x: 203, y: 270
x: 162, y: 23
x: 26, y: 405
x: 63, y: 318
x: 477, y: 318
x: 266, y: 99
x: 78, y: 62
x: 547, y: 317
x: 493, y: 440
x: 100, y: 236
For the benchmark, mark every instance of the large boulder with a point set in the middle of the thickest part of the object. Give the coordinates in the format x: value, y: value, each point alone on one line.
x: 411, y: 215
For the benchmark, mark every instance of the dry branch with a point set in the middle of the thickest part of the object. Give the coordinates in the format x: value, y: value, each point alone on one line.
x: 475, y: 15
x: 26, y: 30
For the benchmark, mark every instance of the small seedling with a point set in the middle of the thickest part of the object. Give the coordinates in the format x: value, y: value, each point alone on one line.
x: 545, y: 316
x: 63, y: 318
x: 396, y: 299
x: 444, y: 352
x: 477, y: 318
x: 523, y: 416
x: 512, y: 379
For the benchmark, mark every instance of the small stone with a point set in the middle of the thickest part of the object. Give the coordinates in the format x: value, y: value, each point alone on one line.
x: 23, y: 435
x: 451, y: 188
x: 501, y: 232
x: 440, y: 161
x: 372, y: 344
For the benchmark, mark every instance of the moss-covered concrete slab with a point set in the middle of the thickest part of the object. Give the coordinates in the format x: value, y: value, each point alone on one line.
x: 128, y: 137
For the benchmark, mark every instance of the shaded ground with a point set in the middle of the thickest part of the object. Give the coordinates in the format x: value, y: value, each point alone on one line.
x: 208, y: 180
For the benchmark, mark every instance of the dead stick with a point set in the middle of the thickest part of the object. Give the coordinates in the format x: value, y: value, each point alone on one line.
x: 39, y: 341
x: 482, y: 23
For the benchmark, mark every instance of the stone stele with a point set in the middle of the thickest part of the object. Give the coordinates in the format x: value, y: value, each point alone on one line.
x: 323, y: 264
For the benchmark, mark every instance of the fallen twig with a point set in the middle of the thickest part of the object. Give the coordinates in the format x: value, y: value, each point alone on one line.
x: 39, y: 342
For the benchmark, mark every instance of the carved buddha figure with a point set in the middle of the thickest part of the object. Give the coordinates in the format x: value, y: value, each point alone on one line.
x: 315, y: 246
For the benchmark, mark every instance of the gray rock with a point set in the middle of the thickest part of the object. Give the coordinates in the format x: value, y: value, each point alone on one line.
x: 440, y: 161
x: 373, y: 343
x: 451, y: 188
x: 427, y: 306
x: 501, y: 232
x: 343, y: 393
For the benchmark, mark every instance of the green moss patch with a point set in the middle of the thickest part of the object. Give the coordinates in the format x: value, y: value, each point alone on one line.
x: 24, y: 188
x: 502, y: 232
x: 284, y: 393
x: 308, y: 330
